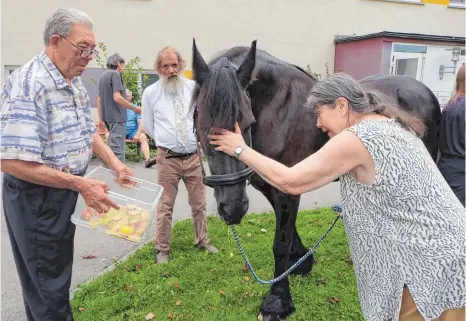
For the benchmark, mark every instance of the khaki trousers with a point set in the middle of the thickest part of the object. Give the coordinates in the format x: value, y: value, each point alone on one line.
x: 409, y: 312
x: 170, y: 171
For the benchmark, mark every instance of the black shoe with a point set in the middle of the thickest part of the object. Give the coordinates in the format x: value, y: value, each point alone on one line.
x: 151, y: 162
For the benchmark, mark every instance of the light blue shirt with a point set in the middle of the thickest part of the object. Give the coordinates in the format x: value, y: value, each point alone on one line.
x: 132, y: 121
x: 44, y: 119
x: 158, y: 116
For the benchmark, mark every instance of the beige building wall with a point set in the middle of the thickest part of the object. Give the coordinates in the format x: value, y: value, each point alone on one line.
x: 299, y: 31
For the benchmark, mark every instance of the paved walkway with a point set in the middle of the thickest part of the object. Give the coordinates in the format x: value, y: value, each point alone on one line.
x: 106, y: 248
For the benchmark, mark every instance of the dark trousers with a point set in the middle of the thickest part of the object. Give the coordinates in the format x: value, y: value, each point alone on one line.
x: 41, y: 236
x: 116, y: 139
x: 453, y: 170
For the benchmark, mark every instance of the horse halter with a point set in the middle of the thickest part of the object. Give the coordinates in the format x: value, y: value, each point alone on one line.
x: 223, y: 179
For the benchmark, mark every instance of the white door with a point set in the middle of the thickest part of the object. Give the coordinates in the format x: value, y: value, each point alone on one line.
x: 408, y: 64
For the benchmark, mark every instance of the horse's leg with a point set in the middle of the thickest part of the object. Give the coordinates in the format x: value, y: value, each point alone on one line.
x: 278, y: 303
x: 298, y: 250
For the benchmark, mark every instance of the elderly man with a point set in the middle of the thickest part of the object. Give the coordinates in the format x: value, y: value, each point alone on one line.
x: 112, y: 104
x: 134, y: 131
x: 167, y: 118
x: 47, y: 137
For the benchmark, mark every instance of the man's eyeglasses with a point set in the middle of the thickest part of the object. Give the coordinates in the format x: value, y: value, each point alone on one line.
x: 84, y: 52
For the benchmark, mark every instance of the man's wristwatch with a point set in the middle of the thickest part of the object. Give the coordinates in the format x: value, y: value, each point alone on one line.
x: 238, y: 151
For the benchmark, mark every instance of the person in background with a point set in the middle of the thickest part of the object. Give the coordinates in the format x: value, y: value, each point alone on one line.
x: 111, y: 104
x: 451, y: 142
x: 134, y: 131
x: 167, y: 118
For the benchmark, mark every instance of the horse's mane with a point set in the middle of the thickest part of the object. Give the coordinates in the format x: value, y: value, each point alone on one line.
x: 223, y: 99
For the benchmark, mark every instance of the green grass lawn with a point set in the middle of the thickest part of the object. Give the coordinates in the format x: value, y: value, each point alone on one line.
x: 196, y: 285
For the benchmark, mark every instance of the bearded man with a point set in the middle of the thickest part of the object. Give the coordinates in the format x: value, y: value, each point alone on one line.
x: 167, y: 118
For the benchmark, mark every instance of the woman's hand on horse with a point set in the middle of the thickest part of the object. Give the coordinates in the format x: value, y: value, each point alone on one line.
x: 225, y: 140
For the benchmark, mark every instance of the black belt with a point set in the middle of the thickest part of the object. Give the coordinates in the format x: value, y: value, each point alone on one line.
x: 172, y: 154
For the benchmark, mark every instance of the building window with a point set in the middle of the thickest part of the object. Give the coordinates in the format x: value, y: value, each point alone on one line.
x: 456, y: 3
x: 152, y: 77
x: 398, y: 47
x: 9, y: 70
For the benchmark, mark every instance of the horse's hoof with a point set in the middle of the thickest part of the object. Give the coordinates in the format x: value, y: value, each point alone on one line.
x: 275, y: 308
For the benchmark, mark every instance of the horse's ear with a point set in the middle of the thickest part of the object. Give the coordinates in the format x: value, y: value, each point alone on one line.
x: 245, y: 70
x: 200, y: 68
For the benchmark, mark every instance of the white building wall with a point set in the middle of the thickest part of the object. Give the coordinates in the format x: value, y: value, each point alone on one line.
x: 436, y: 56
x: 299, y: 31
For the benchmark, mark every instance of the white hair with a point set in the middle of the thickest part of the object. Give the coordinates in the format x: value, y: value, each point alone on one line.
x: 62, y: 20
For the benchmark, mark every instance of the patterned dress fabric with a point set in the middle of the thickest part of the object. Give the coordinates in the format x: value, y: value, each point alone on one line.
x: 407, y: 228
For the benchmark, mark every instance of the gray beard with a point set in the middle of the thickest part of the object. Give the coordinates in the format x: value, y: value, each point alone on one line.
x: 173, y: 85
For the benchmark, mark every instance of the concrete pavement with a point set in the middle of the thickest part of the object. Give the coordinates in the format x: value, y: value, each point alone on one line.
x: 107, y: 248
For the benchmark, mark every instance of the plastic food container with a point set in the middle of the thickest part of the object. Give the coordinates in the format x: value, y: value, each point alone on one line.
x: 137, y: 200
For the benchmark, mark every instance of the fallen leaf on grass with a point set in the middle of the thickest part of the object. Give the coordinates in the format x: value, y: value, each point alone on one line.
x: 316, y: 220
x: 222, y: 292
x: 178, y: 302
x: 263, y: 230
x: 333, y: 300
x: 245, y: 268
x: 88, y: 257
x: 137, y: 266
x: 171, y: 315
x: 82, y: 309
x: 177, y: 285
x: 214, y: 270
x: 126, y: 287
x: 149, y: 316
x: 165, y: 274
x: 249, y: 235
x: 340, y: 274
x: 246, y: 279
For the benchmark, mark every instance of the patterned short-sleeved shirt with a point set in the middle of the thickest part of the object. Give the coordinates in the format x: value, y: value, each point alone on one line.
x: 45, y: 119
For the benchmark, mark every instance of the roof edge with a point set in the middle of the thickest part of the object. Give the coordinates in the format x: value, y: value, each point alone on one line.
x: 417, y: 36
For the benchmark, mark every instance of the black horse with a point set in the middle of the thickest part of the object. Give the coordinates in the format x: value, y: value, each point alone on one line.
x: 267, y: 97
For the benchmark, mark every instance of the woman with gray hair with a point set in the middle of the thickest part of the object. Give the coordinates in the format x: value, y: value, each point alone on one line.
x: 405, y: 226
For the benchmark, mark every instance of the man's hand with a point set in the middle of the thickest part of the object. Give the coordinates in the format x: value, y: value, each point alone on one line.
x: 123, y: 171
x: 95, y: 195
x: 137, y: 110
x: 137, y: 137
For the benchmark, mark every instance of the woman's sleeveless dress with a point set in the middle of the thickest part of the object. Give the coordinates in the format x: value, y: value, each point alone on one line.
x: 408, y: 228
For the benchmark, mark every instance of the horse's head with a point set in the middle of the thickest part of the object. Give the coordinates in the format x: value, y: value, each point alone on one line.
x: 220, y: 99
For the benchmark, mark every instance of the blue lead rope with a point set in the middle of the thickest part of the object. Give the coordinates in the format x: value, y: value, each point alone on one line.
x: 336, y: 208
